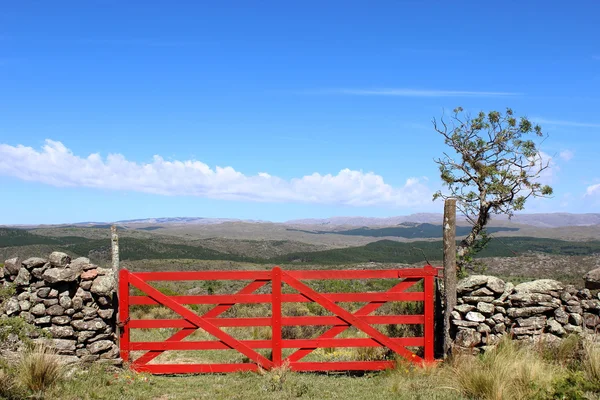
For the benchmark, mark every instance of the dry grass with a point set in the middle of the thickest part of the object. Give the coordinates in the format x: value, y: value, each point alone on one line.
x: 39, y: 369
x: 591, y: 361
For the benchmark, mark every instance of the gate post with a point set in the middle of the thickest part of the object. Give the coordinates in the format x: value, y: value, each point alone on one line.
x: 429, y: 303
x: 124, y: 314
x: 276, y: 316
x: 449, y: 269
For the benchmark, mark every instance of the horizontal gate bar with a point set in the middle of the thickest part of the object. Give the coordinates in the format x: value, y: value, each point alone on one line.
x: 286, y: 298
x: 266, y: 344
x: 266, y: 321
x: 342, y: 366
x: 298, y: 274
x: 193, y: 368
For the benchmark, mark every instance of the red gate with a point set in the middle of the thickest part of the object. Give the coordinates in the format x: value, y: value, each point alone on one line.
x: 340, y: 321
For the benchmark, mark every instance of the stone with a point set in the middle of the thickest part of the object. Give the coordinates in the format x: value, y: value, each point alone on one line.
x: 455, y: 315
x: 477, y: 299
x: 23, y: 277
x: 565, y: 296
x: 26, y: 315
x: 470, y: 283
x: 111, y: 353
x: 38, y: 310
x: 508, y: 290
x: 555, y: 328
x: 80, y: 263
x: 465, y: 324
x: 93, y: 325
x: 89, y: 312
x: 100, y: 346
x: 464, y: 308
x: 77, y: 303
x: 485, y: 308
x: 576, y: 319
x: 474, y: 316
x: 42, y: 320
x: 84, y: 336
x: 561, y: 316
x: 69, y: 311
x: 50, y: 302
x: 12, y: 266
x: 592, y: 279
x: 38, y: 272
x: 12, y: 306
x: 540, y: 286
x: 591, y: 320
x: 61, y: 332
x: 501, y: 310
x: 102, y: 336
x: 24, y: 305
x: 89, y: 359
x: 527, y: 311
x: 82, y: 352
x: 43, y: 292
x: 467, y: 338
x: 59, y: 259
x: 498, y: 318
x: 483, y: 328
x: 63, y: 346
x: 496, y: 285
x: 55, y: 275
x: 65, y: 302
x: 61, y: 320
x: 103, y: 301
x: 590, y: 304
x: 89, y: 274
x: 529, y: 299
x: 103, y: 285
x: 84, y: 294
x: 535, y: 322
x: 24, y: 296
x: 77, y: 315
x: 104, y: 271
x: 526, y: 330
x: 108, y: 313
x: 53, y: 293
x: 573, y: 329
x: 584, y: 294
x: 500, y: 328
x: 86, y: 285
x: 484, y: 291
x: 575, y: 309
x: 34, y: 262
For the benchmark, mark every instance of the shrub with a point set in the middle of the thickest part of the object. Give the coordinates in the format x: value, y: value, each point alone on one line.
x: 38, y: 369
x: 275, y: 378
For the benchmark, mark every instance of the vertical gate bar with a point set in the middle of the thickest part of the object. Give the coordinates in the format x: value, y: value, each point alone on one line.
x: 276, y: 316
x: 429, y: 301
x: 124, y: 313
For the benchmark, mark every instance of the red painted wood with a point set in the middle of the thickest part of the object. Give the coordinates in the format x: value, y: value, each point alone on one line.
x: 362, y: 312
x: 276, y: 317
x: 360, y: 273
x: 124, y: 314
x: 342, y: 366
x: 267, y: 321
x: 350, y: 318
x: 428, y: 329
x: 204, y: 275
x: 286, y: 298
x: 200, y: 322
x: 193, y: 368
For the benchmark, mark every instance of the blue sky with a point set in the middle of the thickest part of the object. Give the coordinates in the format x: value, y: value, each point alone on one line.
x: 278, y: 110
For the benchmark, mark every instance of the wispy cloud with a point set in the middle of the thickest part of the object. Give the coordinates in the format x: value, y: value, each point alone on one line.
x: 566, y: 155
x: 405, y: 92
x: 54, y: 164
x: 593, y: 190
x: 574, y: 124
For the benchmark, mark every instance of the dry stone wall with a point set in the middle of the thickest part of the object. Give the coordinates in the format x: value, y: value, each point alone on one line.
x: 487, y: 308
x: 71, y: 301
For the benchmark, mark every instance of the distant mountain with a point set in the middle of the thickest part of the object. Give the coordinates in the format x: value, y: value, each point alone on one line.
x: 421, y: 218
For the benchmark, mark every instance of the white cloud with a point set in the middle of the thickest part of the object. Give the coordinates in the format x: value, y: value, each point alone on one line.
x: 404, y: 92
x: 56, y: 165
x: 574, y: 124
x: 566, y: 155
x: 593, y: 190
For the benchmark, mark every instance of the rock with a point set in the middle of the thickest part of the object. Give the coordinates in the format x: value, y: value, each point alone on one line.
x: 590, y: 304
x: 53, y: 293
x: 24, y: 305
x: 465, y: 324
x: 42, y: 320
x: 69, y: 311
x: 61, y: 320
x: 108, y: 313
x: 576, y: 319
x: 63, y: 346
x: 484, y: 291
x: 565, y: 296
x: 535, y: 322
x: 485, y: 308
x: 12, y: 266
x: 508, y: 290
x: 11, y: 306
x: 540, y: 286
x: 500, y: 328
x: 55, y: 275
x: 501, y: 310
x: 477, y: 299
x: 561, y: 316
x: 80, y: 263
x: 530, y: 299
x: 89, y: 274
x: 38, y: 272
x: 474, y: 316
x: 498, y: 318
x: 470, y: 283
x: 55, y: 310
x: 24, y: 296
x: 591, y: 320
x: 526, y: 330
x: 26, y: 315
x: 59, y: 259
x: 103, y: 301
x: 573, y: 329
x: 467, y: 338
x: 50, y: 302
x: 43, y: 292
x: 592, y: 279
x: 23, y: 277
x: 104, y: 271
x: 464, y: 308
x: 496, y: 285
x: 555, y: 328
x: 65, y: 302
x: 89, y: 312
x: 575, y: 309
x: 38, y: 310
x: 103, y: 285
x: 84, y: 294
x: 77, y: 303
x: 483, y: 328
x: 34, y: 262
x: 111, y: 354
x: 84, y: 336
x: 527, y: 311
x: 85, y: 285
x: 93, y: 325
x: 61, y: 332
x: 89, y: 359
x: 100, y: 346
x: 584, y: 294
x: 102, y: 336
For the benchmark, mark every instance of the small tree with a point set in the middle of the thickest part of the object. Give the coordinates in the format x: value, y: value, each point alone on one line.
x: 495, y: 170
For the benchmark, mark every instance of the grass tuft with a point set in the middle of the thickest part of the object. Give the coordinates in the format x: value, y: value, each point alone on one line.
x: 39, y: 369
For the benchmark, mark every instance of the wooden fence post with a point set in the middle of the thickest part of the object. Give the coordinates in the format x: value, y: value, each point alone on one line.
x: 114, y: 240
x: 449, y: 268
